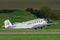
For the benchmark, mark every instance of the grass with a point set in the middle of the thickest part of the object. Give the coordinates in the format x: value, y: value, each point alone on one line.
x: 31, y: 37
x: 29, y: 30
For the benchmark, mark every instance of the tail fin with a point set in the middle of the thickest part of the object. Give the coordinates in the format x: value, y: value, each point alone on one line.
x: 7, y: 23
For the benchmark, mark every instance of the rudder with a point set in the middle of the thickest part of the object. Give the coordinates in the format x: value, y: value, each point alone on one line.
x: 7, y: 23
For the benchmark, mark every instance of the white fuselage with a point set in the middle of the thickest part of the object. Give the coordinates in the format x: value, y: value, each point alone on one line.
x: 30, y: 24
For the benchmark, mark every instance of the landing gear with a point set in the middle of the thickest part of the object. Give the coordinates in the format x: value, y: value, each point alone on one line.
x: 35, y: 28
x: 38, y: 28
x: 41, y: 28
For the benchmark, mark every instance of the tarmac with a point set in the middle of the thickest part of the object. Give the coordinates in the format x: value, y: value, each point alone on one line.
x: 29, y: 32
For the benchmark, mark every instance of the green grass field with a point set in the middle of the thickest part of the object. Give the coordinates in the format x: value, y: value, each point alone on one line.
x: 30, y: 30
x: 31, y: 37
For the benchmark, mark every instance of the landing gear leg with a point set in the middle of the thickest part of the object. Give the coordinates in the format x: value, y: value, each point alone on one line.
x: 41, y: 27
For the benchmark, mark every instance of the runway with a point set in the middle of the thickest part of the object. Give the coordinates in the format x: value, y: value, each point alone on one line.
x: 29, y: 32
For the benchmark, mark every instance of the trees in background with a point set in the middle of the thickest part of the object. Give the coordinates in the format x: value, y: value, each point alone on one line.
x: 44, y: 12
x: 7, y: 10
x: 34, y: 12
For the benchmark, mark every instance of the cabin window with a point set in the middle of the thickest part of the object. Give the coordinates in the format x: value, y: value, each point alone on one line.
x: 41, y: 20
